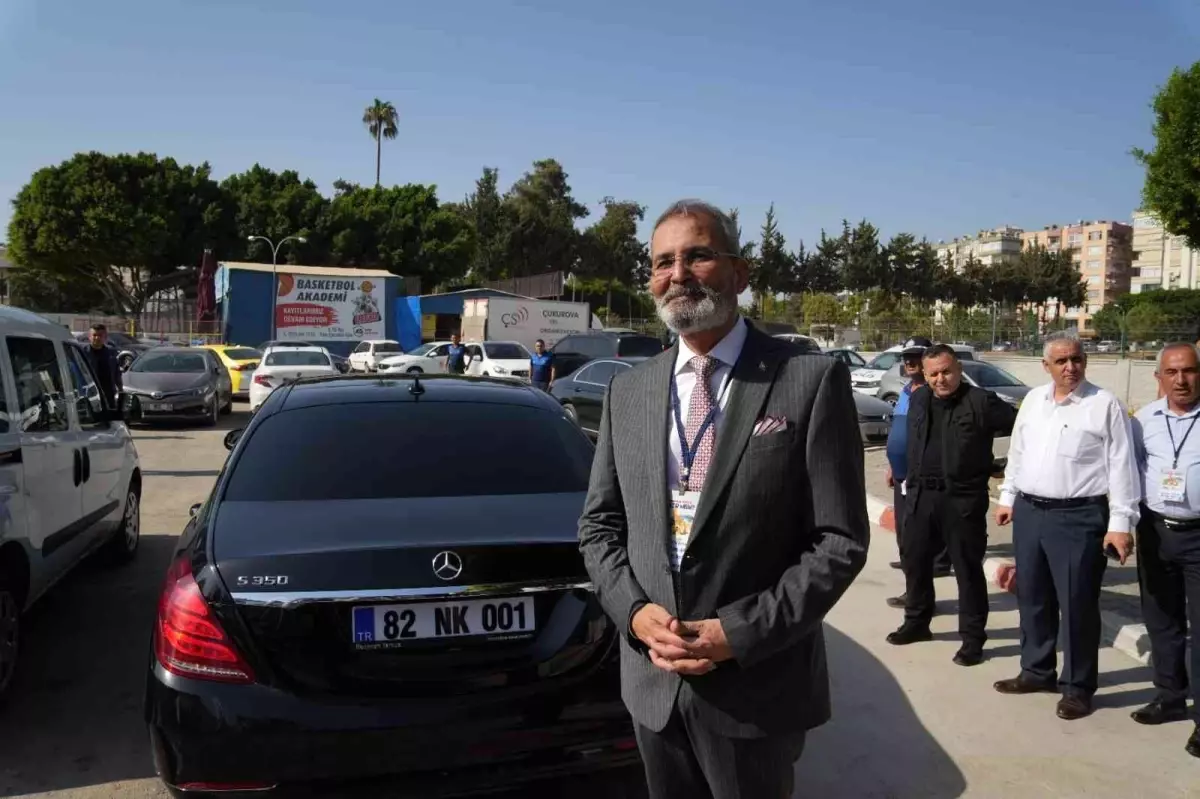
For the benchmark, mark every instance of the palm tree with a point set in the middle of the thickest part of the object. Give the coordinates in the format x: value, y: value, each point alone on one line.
x: 380, y: 118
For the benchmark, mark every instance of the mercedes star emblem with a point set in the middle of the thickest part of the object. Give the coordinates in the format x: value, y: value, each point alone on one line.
x: 447, y: 565
x: 157, y: 395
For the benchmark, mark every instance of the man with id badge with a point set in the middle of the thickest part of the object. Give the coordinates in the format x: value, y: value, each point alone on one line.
x: 1168, y: 455
x: 1071, y: 491
x: 726, y: 515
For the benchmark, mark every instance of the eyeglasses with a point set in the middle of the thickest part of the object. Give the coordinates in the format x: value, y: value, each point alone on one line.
x: 693, y: 259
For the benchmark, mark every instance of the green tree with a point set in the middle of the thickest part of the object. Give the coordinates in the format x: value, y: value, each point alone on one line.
x: 402, y: 229
x: 381, y: 121
x: 821, y: 272
x: 1108, y: 322
x: 772, y: 269
x: 822, y: 309
x: 863, y: 267
x: 542, y: 214
x: 124, y: 223
x: 745, y: 248
x: 611, y: 251
x: 1172, y: 186
x: 1146, y: 322
x: 484, y: 211
x: 276, y: 205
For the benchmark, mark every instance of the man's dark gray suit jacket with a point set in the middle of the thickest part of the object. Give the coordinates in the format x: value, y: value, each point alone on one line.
x: 780, y: 533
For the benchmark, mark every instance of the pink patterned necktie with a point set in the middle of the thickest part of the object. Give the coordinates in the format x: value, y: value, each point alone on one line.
x: 698, y: 408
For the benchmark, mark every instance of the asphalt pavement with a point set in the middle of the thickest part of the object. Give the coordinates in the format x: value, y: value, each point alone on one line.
x: 907, y: 722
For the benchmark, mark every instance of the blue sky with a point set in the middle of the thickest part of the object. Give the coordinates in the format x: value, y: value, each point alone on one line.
x: 933, y: 116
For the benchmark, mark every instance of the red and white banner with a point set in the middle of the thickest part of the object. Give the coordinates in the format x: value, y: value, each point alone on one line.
x: 328, y: 308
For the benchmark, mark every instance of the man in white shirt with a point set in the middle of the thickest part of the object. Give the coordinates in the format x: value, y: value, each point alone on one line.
x: 1071, y: 490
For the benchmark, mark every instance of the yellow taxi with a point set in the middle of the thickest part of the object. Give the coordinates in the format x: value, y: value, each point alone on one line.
x: 240, y: 362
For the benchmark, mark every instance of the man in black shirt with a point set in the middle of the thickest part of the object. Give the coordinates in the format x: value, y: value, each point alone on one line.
x: 951, y: 425
x: 103, y: 359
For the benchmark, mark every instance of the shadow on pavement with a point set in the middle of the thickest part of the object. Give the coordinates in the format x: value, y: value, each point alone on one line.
x: 74, y: 716
x: 875, y: 746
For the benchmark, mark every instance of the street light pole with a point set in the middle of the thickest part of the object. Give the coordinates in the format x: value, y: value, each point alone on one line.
x: 274, y: 269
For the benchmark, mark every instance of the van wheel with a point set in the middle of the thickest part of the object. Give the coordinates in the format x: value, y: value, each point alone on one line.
x: 416, y: 370
x: 891, y: 399
x: 570, y: 411
x: 10, y: 631
x: 123, y: 546
x: 124, y: 361
x: 228, y: 409
x: 214, y: 413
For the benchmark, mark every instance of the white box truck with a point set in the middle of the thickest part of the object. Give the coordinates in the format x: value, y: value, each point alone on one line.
x: 526, y: 321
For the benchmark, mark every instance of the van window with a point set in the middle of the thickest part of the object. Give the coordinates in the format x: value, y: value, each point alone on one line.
x: 40, y: 393
x: 84, y: 391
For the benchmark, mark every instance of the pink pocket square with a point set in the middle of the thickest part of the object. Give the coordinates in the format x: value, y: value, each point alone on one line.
x: 770, y: 424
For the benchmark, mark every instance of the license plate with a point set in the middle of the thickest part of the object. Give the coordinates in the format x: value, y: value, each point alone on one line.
x: 395, y: 624
x: 157, y: 406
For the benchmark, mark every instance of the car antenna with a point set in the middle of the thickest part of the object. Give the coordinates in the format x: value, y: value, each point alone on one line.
x: 415, y: 388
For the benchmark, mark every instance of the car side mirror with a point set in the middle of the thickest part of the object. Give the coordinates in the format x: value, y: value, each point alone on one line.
x: 232, y: 438
x: 192, y: 511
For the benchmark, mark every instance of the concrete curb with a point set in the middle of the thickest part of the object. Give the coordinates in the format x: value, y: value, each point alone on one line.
x: 1126, y: 634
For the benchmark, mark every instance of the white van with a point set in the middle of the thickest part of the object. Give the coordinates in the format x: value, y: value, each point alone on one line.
x: 70, y: 483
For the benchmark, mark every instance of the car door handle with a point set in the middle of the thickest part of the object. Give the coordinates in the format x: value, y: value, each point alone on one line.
x: 77, y: 467
x: 10, y: 456
x: 87, y: 464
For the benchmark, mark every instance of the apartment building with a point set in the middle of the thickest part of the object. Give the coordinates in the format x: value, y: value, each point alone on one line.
x: 1103, y: 253
x: 989, y: 247
x: 1160, y: 260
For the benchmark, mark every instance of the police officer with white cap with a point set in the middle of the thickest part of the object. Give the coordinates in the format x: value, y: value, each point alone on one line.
x: 1168, y: 457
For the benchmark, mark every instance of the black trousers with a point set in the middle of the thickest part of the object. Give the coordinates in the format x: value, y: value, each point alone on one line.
x: 544, y: 385
x: 1169, y: 573
x: 1060, y: 568
x: 688, y: 760
x: 961, y: 521
x: 900, y: 513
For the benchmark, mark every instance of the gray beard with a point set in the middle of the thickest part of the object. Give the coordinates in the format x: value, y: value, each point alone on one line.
x: 684, y: 314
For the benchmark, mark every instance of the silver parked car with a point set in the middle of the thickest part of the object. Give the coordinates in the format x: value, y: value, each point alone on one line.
x: 977, y: 373
x: 178, y: 383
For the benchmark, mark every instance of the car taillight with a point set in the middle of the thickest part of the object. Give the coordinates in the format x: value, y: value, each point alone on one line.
x: 188, y: 639
x: 262, y: 380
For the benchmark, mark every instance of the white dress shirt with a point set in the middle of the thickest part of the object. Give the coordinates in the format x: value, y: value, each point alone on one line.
x: 1079, y: 447
x: 1155, y: 451
x: 726, y: 353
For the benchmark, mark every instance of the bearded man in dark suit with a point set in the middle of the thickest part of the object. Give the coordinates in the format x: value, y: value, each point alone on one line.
x: 726, y: 516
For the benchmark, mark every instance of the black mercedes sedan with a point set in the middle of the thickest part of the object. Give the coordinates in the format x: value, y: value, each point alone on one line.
x: 582, y: 392
x: 384, y: 589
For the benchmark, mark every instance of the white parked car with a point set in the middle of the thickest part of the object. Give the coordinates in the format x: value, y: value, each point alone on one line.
x: 367, y: 355
x: 282, y: 365
x: 866, y: 379
x: 70, y: 482
x: 499, y: 358
x: 427, y: 358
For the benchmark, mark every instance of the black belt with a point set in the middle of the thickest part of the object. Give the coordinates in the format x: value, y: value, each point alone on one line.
x: 1175, y: 525
x: 930, y: 483
x: 1055, y: 503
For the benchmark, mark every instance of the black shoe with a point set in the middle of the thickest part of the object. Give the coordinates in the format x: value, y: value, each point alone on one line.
x: 1160, y: 712
x: 895, y: 564
x: 1073, y: 708
x: 909, y: 634
x: 897, y: 601
x: 1193, y: 744
x: 1020, y: 685
x: 969, y: 655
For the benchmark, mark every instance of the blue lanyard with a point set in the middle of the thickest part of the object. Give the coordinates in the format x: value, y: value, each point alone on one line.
x: 687, y: 452
x: 1175, y: 450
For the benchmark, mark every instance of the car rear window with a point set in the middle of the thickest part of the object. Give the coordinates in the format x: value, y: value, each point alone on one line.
x: 382, y: 450
x: 297, y: 358
x: 243, y: 354
x: 387, y: 346
x: 633, y: 346
x: 506, y: 352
